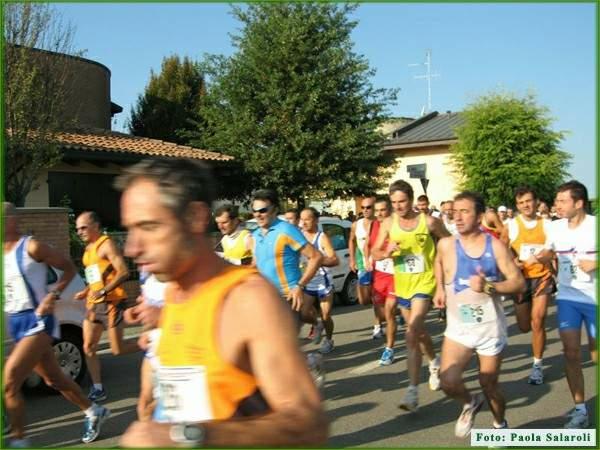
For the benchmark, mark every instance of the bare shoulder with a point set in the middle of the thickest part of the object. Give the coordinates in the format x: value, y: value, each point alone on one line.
x: 499, y: 247
x: 445, y: 244
x: 37, y: 249
x: 255, y: 297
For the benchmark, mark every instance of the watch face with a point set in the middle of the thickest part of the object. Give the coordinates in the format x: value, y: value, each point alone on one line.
x: 193, y: 433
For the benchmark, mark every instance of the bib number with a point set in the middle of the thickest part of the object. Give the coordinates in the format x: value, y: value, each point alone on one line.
x: 475, y: 314
x: 385, y: 266
x: 568, y: 271
x: 529, y: 249
x: 92, y: 274
x: 184, y: 394
x: 412, y: 264
x: 16, y: 296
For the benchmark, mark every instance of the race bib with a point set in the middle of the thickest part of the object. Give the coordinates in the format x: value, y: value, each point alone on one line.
x: 16, y: 295
x: 475, y: 314
x: 92, y: 274
x: 412, y: 264
x: 529, y: 249
x: 385, y: 266
x: 568, y: 271
x: 184, y: 394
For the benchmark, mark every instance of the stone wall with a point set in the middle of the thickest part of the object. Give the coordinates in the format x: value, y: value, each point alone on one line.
x: 49, y: 225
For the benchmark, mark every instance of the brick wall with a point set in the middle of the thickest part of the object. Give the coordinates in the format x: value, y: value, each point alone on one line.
x: 49, y: 225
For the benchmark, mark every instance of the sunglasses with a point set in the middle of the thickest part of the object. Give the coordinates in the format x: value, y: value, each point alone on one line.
x: 261, y: 210
x: 367, y: 207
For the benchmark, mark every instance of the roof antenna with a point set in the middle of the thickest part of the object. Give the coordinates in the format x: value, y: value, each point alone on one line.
x: 427, y: 76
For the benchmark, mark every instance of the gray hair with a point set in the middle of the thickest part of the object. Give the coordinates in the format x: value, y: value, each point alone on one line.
x: 179, y: 181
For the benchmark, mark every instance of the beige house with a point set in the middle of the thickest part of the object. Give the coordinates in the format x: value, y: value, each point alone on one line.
x: 422, y: 148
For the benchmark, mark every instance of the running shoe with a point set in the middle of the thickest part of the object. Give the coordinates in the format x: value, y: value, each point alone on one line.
x: 377, y: 332
x: 92, y: 424
x: 387, y: 357
x: 578, y: 419
x: 467, y: 416
x: 318, y: 334
x: 410, y: 402
x: 536, y: 376
x: 97, y: 395
x: 326, y: 346
x: 434, y: 375
x: 315, y: 365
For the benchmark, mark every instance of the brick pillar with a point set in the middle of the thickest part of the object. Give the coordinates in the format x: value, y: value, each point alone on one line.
x: 49, y: 225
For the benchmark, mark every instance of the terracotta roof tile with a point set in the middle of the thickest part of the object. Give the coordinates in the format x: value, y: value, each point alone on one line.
x: 111, y: 141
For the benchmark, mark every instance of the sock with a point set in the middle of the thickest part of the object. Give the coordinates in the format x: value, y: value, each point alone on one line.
x: 91, y: 411
x: 376, y: 328
x: 412, y: 387
x: 435, y: 362
x: 98, y: 386
x: 496, y: 425
x: 581, y: 408
x: 537, y: 362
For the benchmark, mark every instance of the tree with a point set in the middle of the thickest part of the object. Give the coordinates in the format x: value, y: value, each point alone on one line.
x: 36, y: 84
x: 295, y: 106
x: 169, y: 108
x: 507, y: 142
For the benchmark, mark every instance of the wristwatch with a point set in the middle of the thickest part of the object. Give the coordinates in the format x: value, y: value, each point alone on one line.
x: 56, y: 293
x: 301, y: 286
x: 190, y: 435
x: 489, y: 288
x: 102, y: 292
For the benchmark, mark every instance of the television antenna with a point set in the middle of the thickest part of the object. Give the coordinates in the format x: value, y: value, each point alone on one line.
x: 428, y: 76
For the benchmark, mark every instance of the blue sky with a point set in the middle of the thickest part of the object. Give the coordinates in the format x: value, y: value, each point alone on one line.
x: 544, y: 48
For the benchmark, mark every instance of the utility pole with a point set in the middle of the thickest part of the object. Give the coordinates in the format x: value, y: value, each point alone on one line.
x: 428, y: 76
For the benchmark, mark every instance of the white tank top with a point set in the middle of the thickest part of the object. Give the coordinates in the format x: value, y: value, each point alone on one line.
x: 322, y: 278
x: 17, y: 295
x: 154, y: 291
x: 362, y: 236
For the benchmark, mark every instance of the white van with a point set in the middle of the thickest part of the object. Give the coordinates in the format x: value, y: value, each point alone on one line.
x: 338, y: 231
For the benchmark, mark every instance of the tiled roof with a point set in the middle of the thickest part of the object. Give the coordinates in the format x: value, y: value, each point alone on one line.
x: 96, y: 140
x: 429, y: 128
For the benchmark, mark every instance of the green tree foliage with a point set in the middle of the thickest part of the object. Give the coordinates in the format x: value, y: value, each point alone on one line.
x: 169, y: 107
x: 36, y: 83
x: 507, y: 142
x: 295, y: 104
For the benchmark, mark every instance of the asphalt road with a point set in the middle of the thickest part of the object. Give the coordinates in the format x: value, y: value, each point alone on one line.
x: 361, y: 398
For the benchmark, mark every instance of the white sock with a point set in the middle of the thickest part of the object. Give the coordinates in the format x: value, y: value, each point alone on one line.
x: 376, y: 327
x: 98, y: 386
x: 500, y: 425
x: 435, y: 362
x: 581, y: 408
x: 537, y: 362
x: 412, y: 387
x: 92, y: 410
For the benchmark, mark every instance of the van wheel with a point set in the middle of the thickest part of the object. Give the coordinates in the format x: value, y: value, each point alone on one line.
x: 69, y: 352
x: 349, y: 292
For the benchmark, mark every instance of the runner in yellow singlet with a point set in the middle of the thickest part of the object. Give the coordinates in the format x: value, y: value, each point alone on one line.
x: 227, y: 376
x: 412, y: 247
x: 237, y: 242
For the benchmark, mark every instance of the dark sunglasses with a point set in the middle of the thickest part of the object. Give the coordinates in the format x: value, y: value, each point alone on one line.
x: 367, y: 207
x: 261, y: 210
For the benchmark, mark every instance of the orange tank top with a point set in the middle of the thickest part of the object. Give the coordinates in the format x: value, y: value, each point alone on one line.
x: 99, y: 272
x: 530, y: 241
x: 195, y: 382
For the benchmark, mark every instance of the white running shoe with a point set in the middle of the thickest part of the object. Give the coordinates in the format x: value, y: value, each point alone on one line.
x: 434, y: 375
x: 377, y: 332
x: 326, y: 346
x: 467, y: 417
x: 536, y: 376
x: 578, y: 419
x: 410, y: 402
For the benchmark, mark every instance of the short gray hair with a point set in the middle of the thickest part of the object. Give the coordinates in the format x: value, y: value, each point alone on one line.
x: 179, y: 181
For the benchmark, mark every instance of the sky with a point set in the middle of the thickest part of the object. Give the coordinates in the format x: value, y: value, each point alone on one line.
x: 547, y: 49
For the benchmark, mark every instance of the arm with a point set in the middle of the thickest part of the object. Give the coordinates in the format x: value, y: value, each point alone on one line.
x: 437, y: 227
x: 514, y: 282
x: 314, y: 257
x: 504, y: 236
x: 439, y: 298
x: 110, y: 251
x: 352, y: 247
x: 296, y: 417
x: 330, y: 258
x: 379, y: 250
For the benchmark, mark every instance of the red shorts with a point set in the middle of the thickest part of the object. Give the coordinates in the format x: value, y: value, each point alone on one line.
x: 383, y: 287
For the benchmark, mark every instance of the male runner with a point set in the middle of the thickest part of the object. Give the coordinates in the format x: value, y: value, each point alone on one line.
x: 412, y: 247
x: 359, y: 233
x: 423, y: 204
x: 237, y: 242
x: 105, y: 270
x: 320, y: 287
x: 448, y: 217
x: 469, y: 268
x: 573, y: 241
x: 293, y: 217
x: 33, y: 327
x: 527, y: 235
x: 231, y: 373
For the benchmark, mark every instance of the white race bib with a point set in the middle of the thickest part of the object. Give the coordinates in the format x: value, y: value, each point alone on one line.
x: 475, y: 314
x: 16, y: 295
x: 412, y: 264
x: 568, y: 271
x: 184, y: 394
x: 92, y: 274
x: 385, y: 266
x: 529, y: 249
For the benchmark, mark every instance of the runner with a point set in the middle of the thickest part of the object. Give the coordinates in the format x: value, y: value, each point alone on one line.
x: 33, y: 327
x: 359, y: 232
x: 412, y: 247
x: 105, y: 270
x: 231, y: 373
x: 320, y: 287
x: 448, y: 217
x: 527, y: 235
x: 468, y: 269
x: 543, y: 211
x: 502, y: 214
x: 237, y: 242
x: 573, y: 241
x: 292, y: 217
x: 383, y: 271
x: 491, y: 223
x: 423, y: 204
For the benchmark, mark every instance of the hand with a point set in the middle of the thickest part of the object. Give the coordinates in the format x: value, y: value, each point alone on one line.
x: 131, y: 316
x: 148, y: 315
x: 439, y: 299
x: 518, y: 263
x: 143, y: 341
x: 353, y: 265
x: 46, y: 306
x: 531, y: 260
x: 147, y: 434
x: 81, y: 295
x: 369, y: 265
x: 391, y: 248
x: 477, y: 282
x: 95, y: 295
x: 587, y: 265
x: 296, y: 296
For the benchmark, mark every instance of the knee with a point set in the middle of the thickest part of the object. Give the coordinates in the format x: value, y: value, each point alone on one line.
x: 89, y: 349
x: 572, y: 355
x: 412, y: 337
x: 449, y: 381
x: 524, y: 327
x: 537, y: 324
x: 488, y: 382
x: 11, y: 383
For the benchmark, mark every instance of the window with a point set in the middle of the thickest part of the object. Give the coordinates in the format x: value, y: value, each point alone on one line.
x: 337, y: 235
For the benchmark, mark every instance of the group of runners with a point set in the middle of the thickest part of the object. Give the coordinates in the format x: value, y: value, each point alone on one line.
x: 218, y: 372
